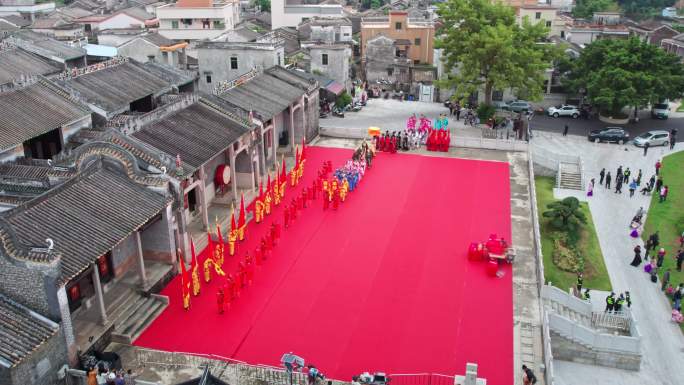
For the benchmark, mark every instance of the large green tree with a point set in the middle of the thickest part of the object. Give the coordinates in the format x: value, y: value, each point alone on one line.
x: 616, y: 73
x: 484, y: 49
x: 585, y: 9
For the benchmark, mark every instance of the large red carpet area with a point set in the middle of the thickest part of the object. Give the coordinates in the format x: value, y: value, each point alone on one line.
x: 381, y: 284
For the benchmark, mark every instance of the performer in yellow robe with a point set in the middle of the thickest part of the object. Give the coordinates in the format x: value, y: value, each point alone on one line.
x: 344, y: 189
x: 267, y: 202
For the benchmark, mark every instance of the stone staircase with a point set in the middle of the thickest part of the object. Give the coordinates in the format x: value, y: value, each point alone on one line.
x: 567, y: 312
x: 132, y: 313
x: 570, y: 176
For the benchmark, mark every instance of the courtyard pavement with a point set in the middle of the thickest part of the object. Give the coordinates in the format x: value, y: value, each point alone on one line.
x: 662, y: 341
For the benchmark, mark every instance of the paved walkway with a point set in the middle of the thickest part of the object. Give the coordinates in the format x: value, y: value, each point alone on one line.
x: 662, y: 341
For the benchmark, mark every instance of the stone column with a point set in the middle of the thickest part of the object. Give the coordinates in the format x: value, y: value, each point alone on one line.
x: 261, y: 152
x: 168, y: 219
x: 141, y: 261
x: 292, y: 135
x: 98, y: 294
x: 203, y: 198
x: 303, y: 119
x: 274, y: 144
x: 67, y: 326
x: 233, y: 178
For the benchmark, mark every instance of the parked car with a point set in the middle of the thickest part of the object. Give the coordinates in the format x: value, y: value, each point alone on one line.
x: 660, y: 111
x: 519, y: 106
x: 653, y: 138
x: 609, y: 134
x: 564, y: 110
x: 500, y: 105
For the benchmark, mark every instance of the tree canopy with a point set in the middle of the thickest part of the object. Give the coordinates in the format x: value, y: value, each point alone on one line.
x: 264, y: 5
x: 616, y: 73
x: 484, y: 49
x: 566, y: 214
x: 642, y: 9
x: 585, y: 9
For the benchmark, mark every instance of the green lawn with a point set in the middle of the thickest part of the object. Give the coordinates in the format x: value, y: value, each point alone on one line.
x: 595, y: 273
x: 680, y: 108
x: 668, y: 217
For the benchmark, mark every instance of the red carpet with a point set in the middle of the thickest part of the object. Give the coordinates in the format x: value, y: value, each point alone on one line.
x: 382, y: 284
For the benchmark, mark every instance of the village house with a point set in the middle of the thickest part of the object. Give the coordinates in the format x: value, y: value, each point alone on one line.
x: 652, y: 32
x: 156, y: 48
x: 413, y: 39
x: 193, y: 20
x: 17, y: 65
x: 131, y: 87
x: 290, y: 13
x: 326, y: 30
x: 225, y: 61
x: 674, y: 45
x: 67, y: 56
x: 332, y: 61
x: 28, y: 9
x: 36, y: 120
x: 544, y: 14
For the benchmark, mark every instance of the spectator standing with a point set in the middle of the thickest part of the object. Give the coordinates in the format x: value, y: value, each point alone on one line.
x: 660, y: 257
x: 658, y: 165
x: 92, y: 376
x: 666, y: 279
x: 677, y: 297
x: 602, y: 175
x: 528, y: 376
x: 646, y: 146
x: 632, y: 188
x: 608, y: 179
x: 680, y: 259
x: 129, y: 378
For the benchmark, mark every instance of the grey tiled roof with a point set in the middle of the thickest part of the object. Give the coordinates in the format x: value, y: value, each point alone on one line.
x: 21, y: 332
x: 174, y: 76
x: 46, y: 46
x: 17, y: 62
x: 265, y: 94
x: 196, y: 133
x: 158, y: 40
x: 114, y: 88
x: 34, y: 110
x: 86, y: 216
x: 16, y: 20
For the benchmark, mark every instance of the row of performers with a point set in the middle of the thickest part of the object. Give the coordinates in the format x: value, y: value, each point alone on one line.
x: 438, y: 140
x: 392, y: 142
x: 275, y: 191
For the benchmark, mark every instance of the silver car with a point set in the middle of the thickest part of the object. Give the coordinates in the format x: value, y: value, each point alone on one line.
x: 519, y: 106
x: 653, y: 138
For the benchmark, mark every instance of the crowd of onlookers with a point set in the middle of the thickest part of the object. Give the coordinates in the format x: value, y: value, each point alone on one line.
x: 103, y: 376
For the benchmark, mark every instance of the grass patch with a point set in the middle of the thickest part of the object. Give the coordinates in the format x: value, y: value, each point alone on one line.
x: 680, y: 108
x: 595, y: 273
x: 668, y: 217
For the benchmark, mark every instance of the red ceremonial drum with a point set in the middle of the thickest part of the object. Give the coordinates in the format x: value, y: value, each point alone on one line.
x: 222, y: 176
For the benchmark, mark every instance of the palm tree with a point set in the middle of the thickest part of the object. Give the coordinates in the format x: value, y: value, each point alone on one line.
x: 565, y: 215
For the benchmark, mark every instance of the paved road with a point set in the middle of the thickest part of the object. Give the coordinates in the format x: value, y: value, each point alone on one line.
x: 583, y: 127
x: 662, y: 341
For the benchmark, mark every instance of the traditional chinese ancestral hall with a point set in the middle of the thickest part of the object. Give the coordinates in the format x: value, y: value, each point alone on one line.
x: 381, y: 284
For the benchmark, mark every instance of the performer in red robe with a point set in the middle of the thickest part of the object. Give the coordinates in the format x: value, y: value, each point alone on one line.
x: 227, y: 289
x: 264, y: 248
x: 249, y: 268
x: 326, y: 200
x: 242, y: 274
x: 273, y: 234
x: 394, y: 144
x: 286, y: 215
x: 293, y: 210
x: 336, y: 199
x: 220, y: 299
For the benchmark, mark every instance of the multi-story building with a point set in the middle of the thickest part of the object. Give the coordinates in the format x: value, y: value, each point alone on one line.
x: 544, y: 14
x: 326, y: 30
x: 28, y: 9
x: 332, y: 61
x: 413, y: 39
x: 197, y: 19
x: 290, y: 13
x: 224, y: 61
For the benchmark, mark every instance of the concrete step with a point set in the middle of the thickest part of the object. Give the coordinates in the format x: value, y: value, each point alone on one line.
x: 147, y: 321
x: 137, y: 318
x: 131, y: 303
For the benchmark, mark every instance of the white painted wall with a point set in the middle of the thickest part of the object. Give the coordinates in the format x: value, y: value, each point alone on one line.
x: 121, y: 21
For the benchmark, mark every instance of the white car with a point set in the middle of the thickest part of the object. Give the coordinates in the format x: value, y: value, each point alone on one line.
x: 564, y: 110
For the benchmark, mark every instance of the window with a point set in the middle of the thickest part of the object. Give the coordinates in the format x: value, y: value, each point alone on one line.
x: 186, y: 22
x: 562, y: 34
x: 497, y: 95
x: 279, y: 63
x: 324, y: 59
x: 416, y: 62
x: 233, y: 63
x: 218, y: 24
x: 208, y: 79
x: 174, y: 24
x: 397, y: 25
x: 150, y: 58
x: 548, y: 24
x: 416, y: 41
x: 537, y: 15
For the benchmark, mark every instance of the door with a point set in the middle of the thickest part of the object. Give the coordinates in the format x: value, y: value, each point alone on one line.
x: 192, y: 200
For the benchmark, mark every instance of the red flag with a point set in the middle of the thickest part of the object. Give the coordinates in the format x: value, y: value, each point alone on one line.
x: 296, y: 157
x: 303, y: 156
x: 268, y: 183
x: 194, y: 266
x: 233, y: 224
x: 241, y: 218
x: 185, y: 283
x: 283, y: 172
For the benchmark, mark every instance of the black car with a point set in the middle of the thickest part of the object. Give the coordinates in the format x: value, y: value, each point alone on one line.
x: 609, y: 134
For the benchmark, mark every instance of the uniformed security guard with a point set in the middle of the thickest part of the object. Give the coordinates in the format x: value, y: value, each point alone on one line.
x: 610, y: 302
x: 586, y: 295
x: 620, y: 301
x: 628, y: 299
